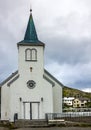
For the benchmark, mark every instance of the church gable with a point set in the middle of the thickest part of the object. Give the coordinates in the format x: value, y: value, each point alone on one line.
x: 49, y: 80
x: 10, y: 79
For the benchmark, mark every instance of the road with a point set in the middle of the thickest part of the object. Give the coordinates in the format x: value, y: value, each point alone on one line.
x: 52, y: 128
x: 58, y: 128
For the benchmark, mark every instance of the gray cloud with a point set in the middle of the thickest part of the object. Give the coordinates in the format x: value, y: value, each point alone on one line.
x: 64, y: 27
x: 68, y: 51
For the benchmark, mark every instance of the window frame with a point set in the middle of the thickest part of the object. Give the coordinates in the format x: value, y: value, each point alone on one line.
x: 31, y: 54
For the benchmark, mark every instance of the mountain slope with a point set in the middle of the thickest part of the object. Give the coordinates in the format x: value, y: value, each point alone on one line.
x: 71, y: 92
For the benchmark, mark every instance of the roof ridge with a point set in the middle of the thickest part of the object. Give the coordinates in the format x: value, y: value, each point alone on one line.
x: 53, y: 77
x: 8, y: 78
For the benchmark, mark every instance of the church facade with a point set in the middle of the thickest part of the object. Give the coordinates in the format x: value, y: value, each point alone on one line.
x: 32, y: 91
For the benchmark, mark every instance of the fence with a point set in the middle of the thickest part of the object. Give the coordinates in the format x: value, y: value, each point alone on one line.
x: 77, y: 110
x: 70, y: 116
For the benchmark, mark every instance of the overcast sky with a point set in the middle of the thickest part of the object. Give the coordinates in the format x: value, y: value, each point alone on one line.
x: 65, y: 28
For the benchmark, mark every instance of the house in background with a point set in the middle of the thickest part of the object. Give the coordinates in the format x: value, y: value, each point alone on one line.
x: 68, y: 100
x: 31, y: 91
x: 79, y: 102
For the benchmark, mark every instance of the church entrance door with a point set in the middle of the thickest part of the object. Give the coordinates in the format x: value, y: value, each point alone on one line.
x: 31, y: 110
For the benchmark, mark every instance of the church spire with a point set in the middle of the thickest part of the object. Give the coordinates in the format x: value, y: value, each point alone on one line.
x: 31, y: 35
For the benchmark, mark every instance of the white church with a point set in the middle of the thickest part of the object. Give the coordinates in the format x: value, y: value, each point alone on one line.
x: 31, y: 91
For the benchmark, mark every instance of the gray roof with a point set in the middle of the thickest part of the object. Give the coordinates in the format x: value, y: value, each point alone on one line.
x: 6, y: 80
x: 53, y: 78
x: 45, y: 71
x: 31, y: 37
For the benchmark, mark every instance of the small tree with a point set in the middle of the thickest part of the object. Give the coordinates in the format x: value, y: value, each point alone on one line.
x: 88, y: 104
x: 65, y: 105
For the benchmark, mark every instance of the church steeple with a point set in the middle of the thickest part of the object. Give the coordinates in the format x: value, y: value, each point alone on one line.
x: 31, y: 35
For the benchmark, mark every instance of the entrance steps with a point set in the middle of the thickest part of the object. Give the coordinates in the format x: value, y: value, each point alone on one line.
x: 31, y: 123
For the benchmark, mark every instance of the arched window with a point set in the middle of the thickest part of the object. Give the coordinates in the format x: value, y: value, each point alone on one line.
x: 31, y: 54
x: 28, y: 54
x: 34, y: 54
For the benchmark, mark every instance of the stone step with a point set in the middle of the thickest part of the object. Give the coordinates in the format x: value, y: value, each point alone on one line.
x: 31, y: 123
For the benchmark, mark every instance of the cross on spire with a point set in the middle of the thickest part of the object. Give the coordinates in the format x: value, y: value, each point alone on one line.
x: 30, y: 10
x: 30, y: 7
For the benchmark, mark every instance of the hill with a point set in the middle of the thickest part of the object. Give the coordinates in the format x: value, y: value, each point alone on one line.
x: 71, y: 92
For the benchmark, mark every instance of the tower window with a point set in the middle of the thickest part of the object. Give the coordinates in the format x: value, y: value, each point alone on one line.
x: 34, y: 54
x: 31, y: 54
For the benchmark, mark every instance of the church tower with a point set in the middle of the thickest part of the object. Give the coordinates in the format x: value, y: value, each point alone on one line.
x: 31, y: 54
